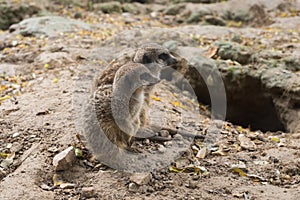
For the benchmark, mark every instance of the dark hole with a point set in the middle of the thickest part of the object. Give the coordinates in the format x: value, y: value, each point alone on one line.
x: 248, y: 104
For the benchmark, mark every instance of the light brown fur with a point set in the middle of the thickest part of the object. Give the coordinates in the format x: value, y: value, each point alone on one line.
x: 118, y: 105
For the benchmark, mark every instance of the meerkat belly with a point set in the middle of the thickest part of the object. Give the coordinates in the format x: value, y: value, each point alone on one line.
x: 136, y: 104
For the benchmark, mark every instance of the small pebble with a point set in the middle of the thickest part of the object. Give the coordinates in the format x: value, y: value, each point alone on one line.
x: 178, y: 137
x: 164, y: 133
x: 161, y: 149
x: 132, y: 187
x: 9, y: 145
x: 141, y: 178
x: 16, y: 134
x: 88, y: 192
x: 67, y: 185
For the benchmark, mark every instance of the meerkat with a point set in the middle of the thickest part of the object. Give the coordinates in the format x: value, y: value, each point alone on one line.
x: 118, y: 105
x: 145, y: 54
x: 155, y: 57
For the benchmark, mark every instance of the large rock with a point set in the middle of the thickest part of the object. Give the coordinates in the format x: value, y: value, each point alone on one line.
x: 49, y: 26
x: 109, y: 7
x: 14, y: 13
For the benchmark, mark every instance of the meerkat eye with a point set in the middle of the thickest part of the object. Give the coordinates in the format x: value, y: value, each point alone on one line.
x: 163, y: 56
x: 146, y: 59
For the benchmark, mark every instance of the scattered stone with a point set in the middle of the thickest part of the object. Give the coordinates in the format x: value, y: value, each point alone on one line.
x: 48, y: 25
x: 16, y: 147
x: 168, y: 143
x: 8, y: 69
x: 67, y: 185
x: 234, y: 52
x: 178, y: 137
x: 161, y: 148
x: 192, y: 184
x: 44, y: 186
x: 197, y: 15
x: 109, y: 7
x: 164, y: 133
x: 2, y: 173
x: 171, y: 45
x: 130, y: 8
x: 292, y: 63
x: 16, y: 134
x: 88, y: 192
x: 54, y: 60
x: 174, y: 9
x: 201, y: 153
x: 53, y: 149
x: 65, y: 159
x: 141, y: 178
x: 213, y: 20
x: 9, y: 145
x: 133, y: 187
x: 246, y: 143
x: 241, y: 165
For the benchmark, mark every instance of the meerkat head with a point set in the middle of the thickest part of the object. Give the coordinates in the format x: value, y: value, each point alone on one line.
x: 133, y: 76
x: 154, y: 53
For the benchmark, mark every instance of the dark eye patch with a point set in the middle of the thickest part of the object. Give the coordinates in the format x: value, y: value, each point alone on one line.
x: 146, y: 59
x: 164, y: 56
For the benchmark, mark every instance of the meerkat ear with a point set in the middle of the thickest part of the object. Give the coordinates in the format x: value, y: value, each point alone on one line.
x: 146, y: 59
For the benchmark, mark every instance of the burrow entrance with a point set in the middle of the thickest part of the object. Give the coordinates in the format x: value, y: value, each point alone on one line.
x: 249, y: 104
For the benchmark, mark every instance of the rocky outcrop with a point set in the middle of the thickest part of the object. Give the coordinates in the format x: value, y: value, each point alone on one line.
x: 14, y: 13
x: 48, y: 25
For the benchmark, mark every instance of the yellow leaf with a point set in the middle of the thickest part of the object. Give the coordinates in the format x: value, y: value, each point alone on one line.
x: 4, y: 98
x: 57, y: 180
x: 55, y: 80
x: 238, y: 171
x: 275, y: 139
x: 46, y: 66
x: 3, y: 87
x: 78, y: 153
x: 8, y: 160
x: 237, y: 147
x: 175, y: 169
x: 284, y: 14
x: 175, y: 103
x: 240, y: 129
x: 234, y: 24
x: 155, y: 98
x: 3, y: 155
